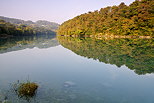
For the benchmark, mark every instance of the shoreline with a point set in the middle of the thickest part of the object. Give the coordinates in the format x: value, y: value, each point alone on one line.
x: 111, y: 36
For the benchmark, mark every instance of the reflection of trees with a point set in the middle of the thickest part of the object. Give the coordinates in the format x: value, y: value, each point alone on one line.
x: 19, y: 43
x: 136, y: 54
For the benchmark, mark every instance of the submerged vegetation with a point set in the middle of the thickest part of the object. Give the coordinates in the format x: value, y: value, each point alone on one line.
x: 137, y: 19
x: 136, y: 54
x: 26, y: 90
x: 31, y: 92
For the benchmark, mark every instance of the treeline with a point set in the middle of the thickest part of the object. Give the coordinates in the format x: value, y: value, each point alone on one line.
x: 136, y: 54
x: 137, y: 19
x: 9, y: 29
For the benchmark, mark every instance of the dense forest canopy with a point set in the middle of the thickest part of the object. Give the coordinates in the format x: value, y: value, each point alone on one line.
x: 136, y: 54
x: 17, y: 27
x: 137, y: 19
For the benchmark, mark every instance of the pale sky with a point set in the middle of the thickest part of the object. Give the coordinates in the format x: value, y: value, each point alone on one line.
x: 52, y: 10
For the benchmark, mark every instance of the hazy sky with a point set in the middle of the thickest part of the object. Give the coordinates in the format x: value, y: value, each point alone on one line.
x: 52, y: 10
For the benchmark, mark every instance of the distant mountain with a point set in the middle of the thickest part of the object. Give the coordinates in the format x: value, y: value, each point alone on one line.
x: 14, y: 21
x: 16, y: 27
x: 47, y: 24
x: 40, y: 23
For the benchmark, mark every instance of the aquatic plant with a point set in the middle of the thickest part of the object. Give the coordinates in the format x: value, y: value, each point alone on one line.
x: 26, y: 90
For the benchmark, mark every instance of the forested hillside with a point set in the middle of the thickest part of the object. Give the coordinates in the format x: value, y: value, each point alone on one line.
x: 137, y: 19
x: 17, y: 27
x: 40, y: 23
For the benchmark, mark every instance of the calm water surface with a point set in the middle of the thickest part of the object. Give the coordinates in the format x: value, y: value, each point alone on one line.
x: 69, y: 73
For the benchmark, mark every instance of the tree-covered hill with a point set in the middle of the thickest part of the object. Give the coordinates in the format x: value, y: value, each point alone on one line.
x: 17, y: 27
x: 137, y: 19
x: 40, y: 23
x: 47, y: 24
x: 15, y: 21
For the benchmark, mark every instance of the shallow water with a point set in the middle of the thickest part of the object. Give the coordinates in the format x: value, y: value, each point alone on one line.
x: 66, y: 77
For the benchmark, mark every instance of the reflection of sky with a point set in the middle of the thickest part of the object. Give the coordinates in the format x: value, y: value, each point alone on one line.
x: 53, y: 66
x: 52, y: 10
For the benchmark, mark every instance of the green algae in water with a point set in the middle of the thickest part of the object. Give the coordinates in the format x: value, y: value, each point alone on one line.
x: 25, y: 90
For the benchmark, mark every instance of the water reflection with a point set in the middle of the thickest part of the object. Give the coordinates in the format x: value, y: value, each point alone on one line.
x: 136, y: 54
x: 20, y: 43
x: 64, y: 77
x: 31, y: 92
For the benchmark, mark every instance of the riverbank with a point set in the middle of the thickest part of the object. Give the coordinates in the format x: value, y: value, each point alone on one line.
x: 99, y: 36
